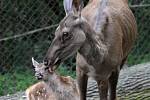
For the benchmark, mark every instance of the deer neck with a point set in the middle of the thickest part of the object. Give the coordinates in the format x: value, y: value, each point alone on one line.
x: 94, y: 48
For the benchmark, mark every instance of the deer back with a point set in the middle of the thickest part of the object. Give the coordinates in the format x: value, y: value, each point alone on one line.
x: 115, y: 22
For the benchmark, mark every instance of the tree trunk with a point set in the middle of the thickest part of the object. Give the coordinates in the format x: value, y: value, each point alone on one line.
x: 134, y: 84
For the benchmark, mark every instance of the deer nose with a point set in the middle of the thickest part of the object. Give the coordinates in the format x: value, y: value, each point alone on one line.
x: 48, y: 62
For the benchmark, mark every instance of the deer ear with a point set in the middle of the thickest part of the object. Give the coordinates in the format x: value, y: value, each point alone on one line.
x: 35, y: 63
x: 68, y: 6
x: 78, y: 5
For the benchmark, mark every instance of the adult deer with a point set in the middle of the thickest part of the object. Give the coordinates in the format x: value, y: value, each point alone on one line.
x: 102, y: 35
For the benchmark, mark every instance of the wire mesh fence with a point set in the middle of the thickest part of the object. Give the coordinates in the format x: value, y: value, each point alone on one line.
x: 27, y: 27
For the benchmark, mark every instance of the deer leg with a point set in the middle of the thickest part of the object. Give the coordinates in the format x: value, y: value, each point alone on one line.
x: 103, y: 89
x: 113, y: 84
x: 82, y: 79
x: 113, y: 80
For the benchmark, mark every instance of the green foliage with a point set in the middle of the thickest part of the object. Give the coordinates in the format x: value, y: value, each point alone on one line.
x: 141, y: 50
x: 17, y: 81
x: 137, y: 59
x: 62, y: 70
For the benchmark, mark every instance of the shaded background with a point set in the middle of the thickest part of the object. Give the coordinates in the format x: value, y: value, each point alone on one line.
x: 26, y: 30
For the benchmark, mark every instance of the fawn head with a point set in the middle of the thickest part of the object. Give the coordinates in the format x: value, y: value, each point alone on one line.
x: 69, y: 36
x: 41, y: 71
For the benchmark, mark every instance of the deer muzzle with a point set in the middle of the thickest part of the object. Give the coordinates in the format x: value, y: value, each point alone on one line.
x: 52, y: 64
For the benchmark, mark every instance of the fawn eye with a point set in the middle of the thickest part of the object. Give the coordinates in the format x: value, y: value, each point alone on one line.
x: 66, y: 36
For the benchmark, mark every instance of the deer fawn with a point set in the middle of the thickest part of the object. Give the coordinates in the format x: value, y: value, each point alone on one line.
x: 53, y: 86
x: 102, y: 34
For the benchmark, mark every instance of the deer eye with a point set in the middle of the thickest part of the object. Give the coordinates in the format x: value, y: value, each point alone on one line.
x: 66, y: 36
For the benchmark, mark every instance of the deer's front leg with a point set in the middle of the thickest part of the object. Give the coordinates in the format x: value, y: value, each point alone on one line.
x: 103, y: 89
x: 113, y: 84
x: 82, y: 79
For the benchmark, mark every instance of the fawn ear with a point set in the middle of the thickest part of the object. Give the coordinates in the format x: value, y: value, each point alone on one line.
x: 68, y: 6
x: 35, y: 63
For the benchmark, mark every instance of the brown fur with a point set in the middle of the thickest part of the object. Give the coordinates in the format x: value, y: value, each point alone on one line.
x: 47, y: 91
x: 40, y: 91
x: 55, y: 87
x: 102, y: 37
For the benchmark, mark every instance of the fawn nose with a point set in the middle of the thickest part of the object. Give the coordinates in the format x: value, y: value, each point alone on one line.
x: 39, y: 76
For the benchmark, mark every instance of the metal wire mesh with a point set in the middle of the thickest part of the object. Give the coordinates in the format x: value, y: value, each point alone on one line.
x: 29, y: 19
x: 27, y: 26
x: 141, y: 51
x: 22, y: 16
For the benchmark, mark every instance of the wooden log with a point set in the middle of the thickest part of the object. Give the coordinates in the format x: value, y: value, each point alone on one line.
x: 134, y: 84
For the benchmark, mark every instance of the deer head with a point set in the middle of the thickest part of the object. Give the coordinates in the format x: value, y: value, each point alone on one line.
x: 69, y: 36
x: 41, y: 71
